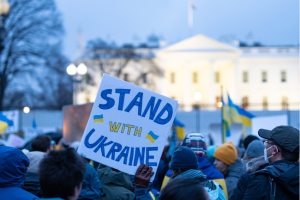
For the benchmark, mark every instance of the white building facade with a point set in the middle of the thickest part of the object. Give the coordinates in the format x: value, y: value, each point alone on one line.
x: 256, y: 78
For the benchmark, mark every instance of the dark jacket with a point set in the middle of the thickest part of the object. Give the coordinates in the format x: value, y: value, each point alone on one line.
x: 32, y: 184
x: 235, y: 171
x: 91, y: 185
x: 252, y: 166
x: 286, y: 177
x: 13, y: 167
x: 117, y: 185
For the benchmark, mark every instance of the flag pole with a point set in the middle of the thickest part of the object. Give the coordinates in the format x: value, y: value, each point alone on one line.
x: 222, y: 121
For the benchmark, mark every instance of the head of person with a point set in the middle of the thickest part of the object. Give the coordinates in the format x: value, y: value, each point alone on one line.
x: 255, y: 149
x: 42, y: 143
x: 183, y: 188
x: 14, y: 165
x: 61, y: 174
x: 225, y: 156
x: 281, y: 143
x: 210, y: 153
x: 248, y: 140
x: 183, y: 159
x: 195, y: 141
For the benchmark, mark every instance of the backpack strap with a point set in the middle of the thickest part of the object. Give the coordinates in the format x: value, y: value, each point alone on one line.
x: 273, y: 188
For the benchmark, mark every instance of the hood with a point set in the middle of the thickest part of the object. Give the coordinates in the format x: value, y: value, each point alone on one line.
x: 109, y: 176
x: 255, y: 164
x: 192, y: 173
x: 286, y: 175
x: 236, y: 169
x: 13, y: 165
x: 208, y: 169
x: 203, y: 162
x: 35, y: 158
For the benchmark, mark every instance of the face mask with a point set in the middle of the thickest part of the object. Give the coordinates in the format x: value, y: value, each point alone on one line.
x: 265, y: 154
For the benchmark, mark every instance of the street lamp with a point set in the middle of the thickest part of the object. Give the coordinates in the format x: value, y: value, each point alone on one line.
x: 198, y: 97
x: 77, y: 74
x: 4, y: 7
x: 26, y: 109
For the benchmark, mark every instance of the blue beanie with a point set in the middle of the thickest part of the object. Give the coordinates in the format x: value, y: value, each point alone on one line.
x: 184, y: 158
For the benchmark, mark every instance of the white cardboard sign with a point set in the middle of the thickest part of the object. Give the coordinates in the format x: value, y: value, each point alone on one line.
x: 128, y: 125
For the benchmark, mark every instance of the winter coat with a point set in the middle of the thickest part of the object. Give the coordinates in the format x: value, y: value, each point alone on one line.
x: 214, y: 190
x: 117, y: 185
x: 252, y: 166
x: 31, y: 182
x: 91, y: 185
x: 286, y: 182
x: 207, y: 169
x: 13, y: 167
x: 235, y: 171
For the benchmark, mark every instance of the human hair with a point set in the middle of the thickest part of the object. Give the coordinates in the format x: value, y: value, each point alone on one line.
x: 60, y: 172
x: 286, y: 155
x: 41, y: 143
x: 184, y: 188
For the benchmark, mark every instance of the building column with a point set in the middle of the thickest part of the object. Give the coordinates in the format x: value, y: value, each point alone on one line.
x: 187, y: 88
x: 212, y: 94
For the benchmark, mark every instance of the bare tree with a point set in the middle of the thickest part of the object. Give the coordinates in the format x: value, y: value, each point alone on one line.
x: 113, y: 60
x: 32, y: 27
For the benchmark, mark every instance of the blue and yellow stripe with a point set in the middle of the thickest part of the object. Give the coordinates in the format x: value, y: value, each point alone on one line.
x: 4, y: 123
x: 152, y: 137
x: 98, y: 118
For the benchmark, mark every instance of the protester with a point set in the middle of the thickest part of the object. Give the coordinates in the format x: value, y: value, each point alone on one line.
x: 229, y: 165
x: 248, y: 140
x: 279, y: 180
x: 13, y: 166
x: 42, y: 143
x: 61, y: 174
x: 117, y: 184
x: 254, y: 161
x: 31, y: 181
x: 195, y: 141
x: 184, y: 165
x: 210, y: 153
x: 182, y: 189
x: 162, y: 169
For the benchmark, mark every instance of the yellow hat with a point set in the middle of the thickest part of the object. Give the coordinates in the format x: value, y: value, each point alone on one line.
x: 226, y: 153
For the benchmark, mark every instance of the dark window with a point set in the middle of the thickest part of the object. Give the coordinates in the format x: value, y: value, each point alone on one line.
x: 264, y: 77
x: 245, y: 103
x: 195, y: 77
x: 283, y: 76
x: 144, y: 77
x: 265, y: 103
x: 125, y: 77
x: 245, y: 77
x: 172, y: 80
x: 217, y: 77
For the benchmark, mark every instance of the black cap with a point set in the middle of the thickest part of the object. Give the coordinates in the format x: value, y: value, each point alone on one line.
x: 286, y: 136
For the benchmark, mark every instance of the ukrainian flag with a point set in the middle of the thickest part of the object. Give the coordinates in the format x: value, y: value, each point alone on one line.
x: 152, y: 137
x: 4, y: 123
x: 98, y: 118
x: 226, y: 123
x: 239, y: 115
x: 179, y: 127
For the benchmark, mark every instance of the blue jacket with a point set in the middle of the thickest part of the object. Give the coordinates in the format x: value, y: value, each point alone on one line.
x: 208, y: 169
x: 91, y: 185
x: 13, y: 167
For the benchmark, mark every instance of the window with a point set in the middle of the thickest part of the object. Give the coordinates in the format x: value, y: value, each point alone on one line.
x: 125, y: 77
x: 245, y: 103
x: 245, y: 77
x: 283, y: 76
x: 265, y: 103
x: 218, y: 102
x: 264, y: 76
x: 217, y: 77
x: 144, y: 77
x: 195, y: 77
x: 172, y: 77
x: 284, y: 103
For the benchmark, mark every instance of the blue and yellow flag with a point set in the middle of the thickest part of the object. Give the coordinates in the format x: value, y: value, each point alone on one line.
x: 98, y: 118
x: 239, y: 115
x: 4, y: 123
x: 226, y: 123
x: 179, y: 127
x: 152, y: 137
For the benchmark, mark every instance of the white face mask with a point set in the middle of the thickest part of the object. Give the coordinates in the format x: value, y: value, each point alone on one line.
x: 265, y: 153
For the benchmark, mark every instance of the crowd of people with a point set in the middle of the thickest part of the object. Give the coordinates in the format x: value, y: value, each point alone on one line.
x: 256, y: 169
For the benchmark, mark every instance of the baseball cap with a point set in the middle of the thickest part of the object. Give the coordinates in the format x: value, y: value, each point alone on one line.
x: 286, y: 136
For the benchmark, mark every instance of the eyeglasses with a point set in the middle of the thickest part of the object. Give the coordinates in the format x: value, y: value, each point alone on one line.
x: 266, y: 143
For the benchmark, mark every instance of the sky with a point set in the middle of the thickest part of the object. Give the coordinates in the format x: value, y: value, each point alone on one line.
x: 271, y: 22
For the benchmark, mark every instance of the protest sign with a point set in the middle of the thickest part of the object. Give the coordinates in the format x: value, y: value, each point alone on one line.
x: 128, y: 126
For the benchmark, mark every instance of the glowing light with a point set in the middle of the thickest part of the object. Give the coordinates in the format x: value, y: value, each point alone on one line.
x: 81, y: 69
x: 220, y: 104
x: 26, y: 109
x: 197, y: 96
x: 71, y: 70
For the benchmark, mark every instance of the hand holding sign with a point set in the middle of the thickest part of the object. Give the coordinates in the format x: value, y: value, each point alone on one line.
x: 128, y: 126
x: 142, y: 176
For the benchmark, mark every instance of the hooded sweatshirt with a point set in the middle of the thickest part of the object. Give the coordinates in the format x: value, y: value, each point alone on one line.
x: 13, y: 167
x: 235, y: 171
x: 286, y: 178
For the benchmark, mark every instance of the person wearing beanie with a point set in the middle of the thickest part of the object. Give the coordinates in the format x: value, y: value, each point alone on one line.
x: 228, y: 163
x: 254, y: 161
x: 184, y: 164
x: 195, y: 141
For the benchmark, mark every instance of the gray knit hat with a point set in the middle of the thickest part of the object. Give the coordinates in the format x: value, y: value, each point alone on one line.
x: 255, y: 149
